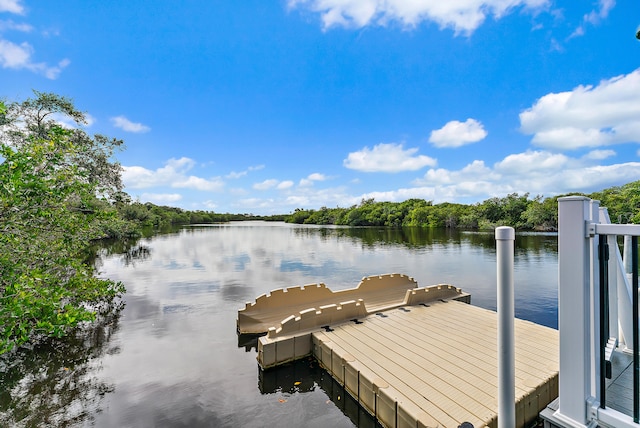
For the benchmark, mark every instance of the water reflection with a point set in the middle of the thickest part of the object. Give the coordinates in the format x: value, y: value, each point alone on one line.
x: 415, y: 237
x: 249, y: 341
x: 55, y: 383
x: 173, y: 358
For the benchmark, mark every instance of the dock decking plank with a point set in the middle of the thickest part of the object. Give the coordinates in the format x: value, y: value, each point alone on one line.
x: 442, y: 358
x: 467, y: 326
x: 441, y: 411
x: 429, y: 384
x: 418, y: 360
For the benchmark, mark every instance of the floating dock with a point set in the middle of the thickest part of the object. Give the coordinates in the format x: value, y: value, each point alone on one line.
x: 423, y: 357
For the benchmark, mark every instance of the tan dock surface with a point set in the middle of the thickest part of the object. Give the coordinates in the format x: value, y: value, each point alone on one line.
x: 437, y: 365
x: 411, y: 356
x: 378, y: 291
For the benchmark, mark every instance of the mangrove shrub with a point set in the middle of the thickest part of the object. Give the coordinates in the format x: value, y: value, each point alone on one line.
x: 55, y: 189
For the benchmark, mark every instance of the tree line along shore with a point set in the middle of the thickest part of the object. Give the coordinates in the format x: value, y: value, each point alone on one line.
x: 61, y: 191
x: 518, y: 211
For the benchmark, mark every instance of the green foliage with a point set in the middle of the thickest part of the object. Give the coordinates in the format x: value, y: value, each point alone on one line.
x: 53, y: 201
x: 623, y: 203
x: 513, y: 210
x: 505, y: 211
x: 322, y: 216
x: 300, y: 216
x: 541, y: 214
x: 156, y: 216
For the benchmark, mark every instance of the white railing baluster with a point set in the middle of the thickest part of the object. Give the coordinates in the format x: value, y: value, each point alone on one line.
x: 613, y: 267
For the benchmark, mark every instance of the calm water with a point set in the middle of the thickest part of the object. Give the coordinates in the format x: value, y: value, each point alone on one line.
x: 171, y: 358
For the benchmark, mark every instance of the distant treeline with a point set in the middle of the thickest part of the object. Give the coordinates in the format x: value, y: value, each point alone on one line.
x: 152, y: 215
x: 518, y: 211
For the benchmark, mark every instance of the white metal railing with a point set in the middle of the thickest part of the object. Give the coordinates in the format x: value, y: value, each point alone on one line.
x: 596, y: 301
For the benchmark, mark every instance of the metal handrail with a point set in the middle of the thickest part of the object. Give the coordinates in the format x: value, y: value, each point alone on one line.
x: 603, y: 256
x: 636, y: 354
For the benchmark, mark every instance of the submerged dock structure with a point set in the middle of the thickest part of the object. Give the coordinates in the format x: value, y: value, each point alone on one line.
x: 411, y: 356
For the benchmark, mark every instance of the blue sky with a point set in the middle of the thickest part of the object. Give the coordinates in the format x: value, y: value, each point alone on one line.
x: 262, y: 107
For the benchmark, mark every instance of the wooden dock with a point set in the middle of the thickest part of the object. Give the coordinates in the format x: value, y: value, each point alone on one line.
x: 425, y: 361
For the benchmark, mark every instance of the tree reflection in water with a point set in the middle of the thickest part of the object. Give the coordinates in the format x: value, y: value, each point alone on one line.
x: 54, y: 383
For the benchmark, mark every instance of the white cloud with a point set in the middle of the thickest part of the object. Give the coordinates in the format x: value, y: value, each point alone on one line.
x: 14, y: 56
x: 303, y: 197
x: 456, y: 134
x: 597, y: 15
x: 234, y: 174
x: 283, y: 185
x: 531, y: 162
x: 537, y: 172
x: 599, y: 154
x: 266, y: 184
x: 173, y: 174
x: 473, y: 180
x: 161, y: 198
x: 475, y: 171
x: 18, y: 57
x: 555, y: 46
x: 402, y: 194
x: 315, y: 198
x: 51, y: 72
x: 129, y: 126
x: 311, y: 178
x: 600, y: 176
x: 9, y: 25
x: 587, y: 116
x: 463, y: 16
x: 594, y: 17
x: 272, y: 183
x: 316, y: 176
x: 210, y: 205
x: 579, y: 31
x: 389, y: 157
x: 12, y: 6
x: 198, y: 183
x: 238, y: 191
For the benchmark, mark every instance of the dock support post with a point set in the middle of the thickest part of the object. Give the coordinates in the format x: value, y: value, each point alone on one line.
x: 505, y: 242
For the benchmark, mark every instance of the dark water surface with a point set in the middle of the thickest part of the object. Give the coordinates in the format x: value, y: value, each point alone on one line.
x: 172, y: 358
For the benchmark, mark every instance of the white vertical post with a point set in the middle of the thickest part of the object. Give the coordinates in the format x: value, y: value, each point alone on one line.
x: 505, y: 241
x: 594, y: 286
x: 625, y: 305
x: 574, y: 308
x: 612, y: 268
